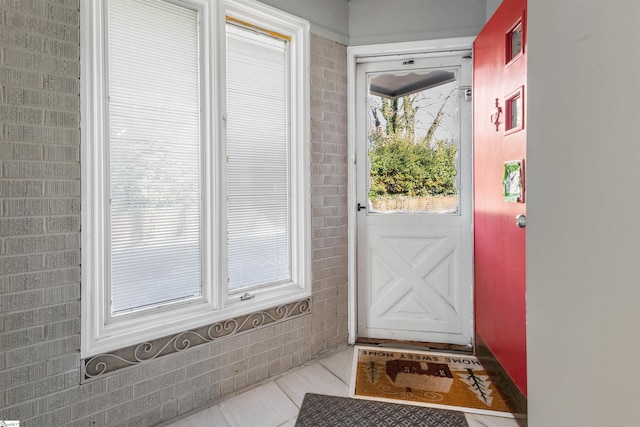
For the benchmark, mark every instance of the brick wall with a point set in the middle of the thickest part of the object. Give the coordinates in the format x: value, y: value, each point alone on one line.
x: 40, y: 245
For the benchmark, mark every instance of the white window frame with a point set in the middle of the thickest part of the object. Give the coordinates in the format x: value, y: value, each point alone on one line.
x: 100, y: 331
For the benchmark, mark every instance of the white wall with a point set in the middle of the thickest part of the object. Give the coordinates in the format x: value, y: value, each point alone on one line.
x: 492, y: 5
x: 385, y: 21
x: 358, y: 22
x: 583, y: 248
x: 329, y: 18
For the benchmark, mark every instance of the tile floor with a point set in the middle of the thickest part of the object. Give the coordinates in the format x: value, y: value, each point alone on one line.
x: 276, y: 403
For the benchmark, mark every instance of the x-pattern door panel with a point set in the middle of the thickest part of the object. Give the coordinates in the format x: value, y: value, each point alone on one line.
x: 414, y: 279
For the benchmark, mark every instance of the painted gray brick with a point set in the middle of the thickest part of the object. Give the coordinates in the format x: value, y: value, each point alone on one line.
x: 30, y: 170
x: 16, y: 339
x: 63, y: 14
x: 134, y: 406
x: 20, y: 263
x: 21, y: 188
x: 42, y: 351
x: 324, y: 106
x: 22, y: 115
x: 328, y: 242
x: 324, y: 147
x: 40, y: 134
x: 72, y: 4
x: 28, y: 6
x: 41, y: 243
x: 337, y: 117
x: 56, y: 418
x: 65, y: 363
x: 39, y: 98
x: 36, y: 280
x: 9, y: 76
x: 62, y: 188
x: 62, y: 153
x: 61, y: 294
x: 21, y: 226
x: 61, y: 119
x: 62, y: 224
x: 201, y: 397
x: 323, y: 126
x: 20, y: 411
x: 42, y: 27
x: 39, y: 207
x: 23, y: 375
x: 158, y: 383
x: 170, y: 409
x: 46, y: 10
x: 40, y: 316
x: 336, y: 200
x: 17, y: 58
x: 98, y: 404
x: 21, y: 151
x: 66, y: 397
x: 123, y: 379
x: 21, y: 301
x: 63, y: 329
x: 324, y: 190
x: 185, y: 404
x: 22, y: 39
x: 99, y: 419
x: 338, y: 98
x: 323, y: 211
x: 62, y: 259
x: 153, y: 416
x: 60, y: 84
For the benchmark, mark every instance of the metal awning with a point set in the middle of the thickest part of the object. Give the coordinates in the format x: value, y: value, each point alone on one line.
x: 394, y: 86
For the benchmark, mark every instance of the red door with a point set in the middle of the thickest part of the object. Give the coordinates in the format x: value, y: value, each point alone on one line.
x: 500, y: 64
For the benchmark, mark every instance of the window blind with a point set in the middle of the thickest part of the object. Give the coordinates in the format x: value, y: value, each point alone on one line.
x: 257, y: 97
x: 154, y: 153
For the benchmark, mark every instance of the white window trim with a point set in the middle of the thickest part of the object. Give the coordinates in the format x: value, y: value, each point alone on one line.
x: 99, y: 334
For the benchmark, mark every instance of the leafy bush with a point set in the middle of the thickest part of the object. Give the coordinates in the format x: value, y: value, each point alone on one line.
x: 400, y: 167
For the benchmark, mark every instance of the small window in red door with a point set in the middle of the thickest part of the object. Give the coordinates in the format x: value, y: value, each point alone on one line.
x: 514, y: 114
x: 514, y: 42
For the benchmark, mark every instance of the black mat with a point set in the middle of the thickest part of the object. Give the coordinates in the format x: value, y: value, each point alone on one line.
x: 319, y: 410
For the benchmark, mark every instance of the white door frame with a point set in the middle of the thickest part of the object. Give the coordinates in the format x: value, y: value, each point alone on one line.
x: 355, y: 54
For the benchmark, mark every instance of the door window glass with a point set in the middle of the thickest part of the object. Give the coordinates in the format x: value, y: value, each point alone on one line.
x: 514, y: 42
x: 414, y: 134
x: 515, y: 114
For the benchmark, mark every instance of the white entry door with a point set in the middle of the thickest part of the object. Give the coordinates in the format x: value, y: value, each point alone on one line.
x: 414, y: 194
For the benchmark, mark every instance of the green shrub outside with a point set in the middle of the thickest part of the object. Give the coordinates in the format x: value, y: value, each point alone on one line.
x: 400, y: 167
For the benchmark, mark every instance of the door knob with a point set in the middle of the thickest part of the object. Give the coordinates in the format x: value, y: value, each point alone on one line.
x: 521, y: 221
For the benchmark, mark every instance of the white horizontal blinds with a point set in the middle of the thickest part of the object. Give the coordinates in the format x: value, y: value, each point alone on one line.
x: 258, y: 158
x: 154, y: 153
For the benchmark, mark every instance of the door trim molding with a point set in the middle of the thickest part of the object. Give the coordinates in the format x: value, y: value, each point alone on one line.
x: 355, y: 54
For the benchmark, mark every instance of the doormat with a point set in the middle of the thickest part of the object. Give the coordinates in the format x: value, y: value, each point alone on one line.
x: 318, y: 410
x: 438, y: 380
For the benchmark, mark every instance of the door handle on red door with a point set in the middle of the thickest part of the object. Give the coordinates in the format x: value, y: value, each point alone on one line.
x: 521, y: 221
x: 495, y: 115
